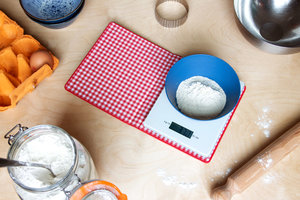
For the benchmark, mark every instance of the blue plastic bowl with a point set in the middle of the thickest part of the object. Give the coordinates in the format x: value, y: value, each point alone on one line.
x: 210, y: 67
x: 52, y: 14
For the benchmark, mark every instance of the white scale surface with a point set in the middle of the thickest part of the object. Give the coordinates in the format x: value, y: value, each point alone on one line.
x: 206, y: 134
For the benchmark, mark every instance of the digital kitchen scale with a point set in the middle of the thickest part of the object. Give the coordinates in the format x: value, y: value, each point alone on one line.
x: 195, y: 137
x: 123, y: 75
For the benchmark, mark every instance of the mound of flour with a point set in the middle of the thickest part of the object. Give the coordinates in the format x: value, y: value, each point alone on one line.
x: 49, y: 149
x: 200, y: 97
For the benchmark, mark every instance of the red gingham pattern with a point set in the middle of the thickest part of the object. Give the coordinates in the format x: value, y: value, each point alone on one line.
x: 123, y: 75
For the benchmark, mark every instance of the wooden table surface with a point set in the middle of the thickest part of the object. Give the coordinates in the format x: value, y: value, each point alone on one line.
x: 141, y: 166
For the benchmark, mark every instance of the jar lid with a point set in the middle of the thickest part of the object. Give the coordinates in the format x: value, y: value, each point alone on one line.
x: 97, y: 189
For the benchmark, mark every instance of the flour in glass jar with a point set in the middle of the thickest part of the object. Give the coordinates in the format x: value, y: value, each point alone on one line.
x: 101, y: 195
x: 47, y: 149
x: 54, y: 150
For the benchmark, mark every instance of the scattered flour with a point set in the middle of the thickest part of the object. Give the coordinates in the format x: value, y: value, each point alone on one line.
x: 228, y: 171
x: 268, y: 178
x: 173, y: 180
x: 266, y: 161
x: 222, y: 174
x: 264, y: 122
x: 200, y: 97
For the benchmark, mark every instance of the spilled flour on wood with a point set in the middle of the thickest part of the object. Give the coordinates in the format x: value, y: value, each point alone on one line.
x: 265, y: 163
x: 219, y: 174
x: 264, y: 122
x: 268, y: 178
x: 174, y: 180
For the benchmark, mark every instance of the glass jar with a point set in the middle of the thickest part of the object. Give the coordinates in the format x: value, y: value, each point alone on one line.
x: 48, y: 144
x: 97, y: 189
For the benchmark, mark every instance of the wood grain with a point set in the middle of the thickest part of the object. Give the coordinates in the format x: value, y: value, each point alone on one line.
x: 259, y: 164
x: 138, y: 164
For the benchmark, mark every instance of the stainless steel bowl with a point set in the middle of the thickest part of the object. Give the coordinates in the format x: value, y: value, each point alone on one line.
x: 274, y: 25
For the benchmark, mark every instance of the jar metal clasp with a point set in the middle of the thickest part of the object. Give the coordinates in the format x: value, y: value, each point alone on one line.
x: 11, y: 136
x: 68, y: 193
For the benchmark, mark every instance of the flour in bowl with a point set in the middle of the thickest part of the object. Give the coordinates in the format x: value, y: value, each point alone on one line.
x: 200, y: 97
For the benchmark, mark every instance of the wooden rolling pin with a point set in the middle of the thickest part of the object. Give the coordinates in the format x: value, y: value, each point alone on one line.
x: 259, y: 164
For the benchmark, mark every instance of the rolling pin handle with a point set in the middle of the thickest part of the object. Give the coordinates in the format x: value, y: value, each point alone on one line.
x: 225, y: 192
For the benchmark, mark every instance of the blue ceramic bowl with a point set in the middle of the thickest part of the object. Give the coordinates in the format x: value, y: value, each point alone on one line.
x: 52, y: 13
x: 210, y: 67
